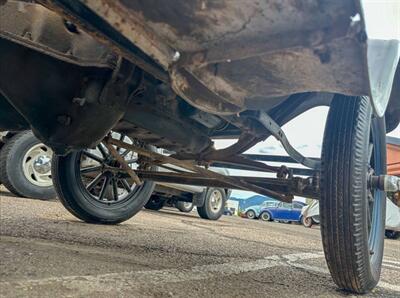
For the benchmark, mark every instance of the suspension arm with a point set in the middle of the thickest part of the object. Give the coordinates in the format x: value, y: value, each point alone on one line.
x: 278, y: 133
x: 188, y: 165
x: 306, y: 187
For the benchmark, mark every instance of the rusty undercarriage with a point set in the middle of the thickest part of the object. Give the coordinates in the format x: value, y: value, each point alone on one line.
x: 175, y: 83
x: 177, y: 74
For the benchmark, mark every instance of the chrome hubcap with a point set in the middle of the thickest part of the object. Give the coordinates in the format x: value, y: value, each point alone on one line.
x: 37, y: 165
x: 216, y: 201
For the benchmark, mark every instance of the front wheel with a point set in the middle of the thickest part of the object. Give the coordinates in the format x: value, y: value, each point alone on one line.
x: 91, y: 188
x: 250, y: 214
x: 214, y: 204
x: 353, y: 213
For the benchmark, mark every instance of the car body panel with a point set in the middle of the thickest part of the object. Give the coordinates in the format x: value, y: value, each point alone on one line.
x: 212, y: 50
x: 257, y: 208
x: 222, y: 58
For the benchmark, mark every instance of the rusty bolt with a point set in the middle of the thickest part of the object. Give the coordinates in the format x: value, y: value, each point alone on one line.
x: 176, y: 56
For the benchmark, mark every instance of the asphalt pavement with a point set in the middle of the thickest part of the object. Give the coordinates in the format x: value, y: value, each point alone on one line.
x: 46, y: 252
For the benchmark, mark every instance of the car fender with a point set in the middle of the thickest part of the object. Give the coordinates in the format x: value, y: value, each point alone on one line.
x: 382, y: 61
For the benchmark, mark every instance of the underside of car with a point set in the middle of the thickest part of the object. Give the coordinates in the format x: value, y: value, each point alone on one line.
x: 176, y: 75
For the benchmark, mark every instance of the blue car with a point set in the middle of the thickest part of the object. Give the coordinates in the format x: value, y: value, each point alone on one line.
x: 253, y: 212
x: 286, y: 212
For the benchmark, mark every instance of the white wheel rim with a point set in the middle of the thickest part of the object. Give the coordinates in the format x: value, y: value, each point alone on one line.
x: 216, y: 201
x: 36, y: 165
x: 187, y: 205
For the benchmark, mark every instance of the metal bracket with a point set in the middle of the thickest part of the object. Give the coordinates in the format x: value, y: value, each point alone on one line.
x: 278, y: 133
x: 123, y: 163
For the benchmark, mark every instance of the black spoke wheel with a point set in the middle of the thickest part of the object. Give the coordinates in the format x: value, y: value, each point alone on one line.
x: 353, y: 214
x: 92, y: 185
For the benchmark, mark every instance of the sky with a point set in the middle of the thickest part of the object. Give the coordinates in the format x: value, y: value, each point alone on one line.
x: 306, y: 131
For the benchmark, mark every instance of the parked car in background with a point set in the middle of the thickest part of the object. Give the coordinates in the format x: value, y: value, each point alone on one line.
x: 285, y: 212
x: 392, y: 229
x: 209, y: 201
x: 253, y: 212
x: 228, y: 211
x: 25, y: 165
x: 310, y: 214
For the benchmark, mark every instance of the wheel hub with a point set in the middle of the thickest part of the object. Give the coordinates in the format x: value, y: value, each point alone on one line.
x: 37, y: 165
x: 384, y: 182
x: 42, y: 164
x: 102, y: 173
x: 216, y: 201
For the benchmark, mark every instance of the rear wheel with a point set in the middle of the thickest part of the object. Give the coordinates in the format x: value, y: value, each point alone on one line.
x: 214, y: 204
x: 353, y: 214
x: 184, y: 206
x: 155, y: 203
x: 92, y: 188
x: 265, y: 216
x: 25, y: 167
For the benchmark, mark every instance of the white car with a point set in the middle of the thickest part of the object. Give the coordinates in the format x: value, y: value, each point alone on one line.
x: 310, y: 216
x: 209, y: 201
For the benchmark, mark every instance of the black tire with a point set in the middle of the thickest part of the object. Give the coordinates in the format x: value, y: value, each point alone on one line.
x: 250, y: 214
x: 154, y: 203
x: 207, y: 211
x: 353, y: 244
x: 12, y: 173
x: 265, y: 216
x: 184, y: 206
x: 73, y: 194
x: 390, y: 234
